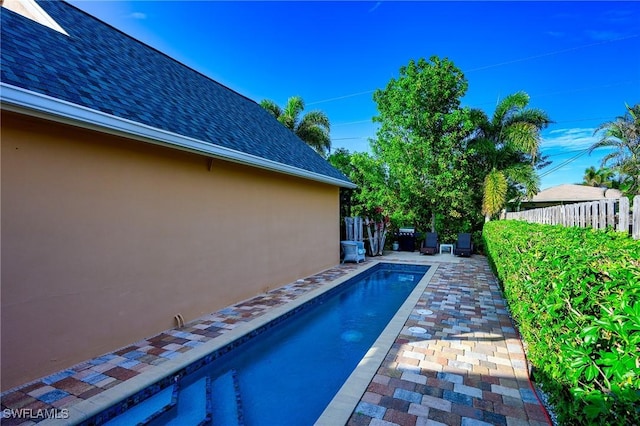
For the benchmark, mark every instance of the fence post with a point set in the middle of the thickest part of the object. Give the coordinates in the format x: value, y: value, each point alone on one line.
x: 636, y: 218
x: 611, y: 214
x: 623, y: 215
x: 594, y: 214
x: 602, y: 212
x: 573, y: 220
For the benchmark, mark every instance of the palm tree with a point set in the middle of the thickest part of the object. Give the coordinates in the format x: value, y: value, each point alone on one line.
x: 507, y: 147
x: 313, y: 127
x: 602, y: 177
x: 623, y: 135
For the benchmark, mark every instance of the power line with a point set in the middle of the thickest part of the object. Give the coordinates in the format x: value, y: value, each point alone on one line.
x: 341, y: 97
x: 542, y: 55
x: 344, y: 139
x: 565, y: 152
x: 557, y: 52
x: 351, y: 122
x: 564, y: 163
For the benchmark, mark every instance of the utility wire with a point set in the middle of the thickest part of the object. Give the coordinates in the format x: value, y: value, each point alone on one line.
x: 542, y: 55
x: 564, y: 163
x: 341, y: 97
x: 564, y: 152
x: 557, y: 52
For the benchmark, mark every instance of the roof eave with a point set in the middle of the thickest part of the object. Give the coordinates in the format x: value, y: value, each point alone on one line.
x: 35, y: 104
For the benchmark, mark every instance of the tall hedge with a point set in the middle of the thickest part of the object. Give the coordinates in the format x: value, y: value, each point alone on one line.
x: 575, y: 296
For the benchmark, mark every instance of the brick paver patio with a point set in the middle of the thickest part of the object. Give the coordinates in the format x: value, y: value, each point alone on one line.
x: 458, y: 360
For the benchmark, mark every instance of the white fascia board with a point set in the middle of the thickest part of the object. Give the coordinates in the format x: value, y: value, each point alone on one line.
x: 43, y: 106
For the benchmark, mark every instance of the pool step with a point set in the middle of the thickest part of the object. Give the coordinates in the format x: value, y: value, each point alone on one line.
x: 155, y: 410
x: 193, y: 404
x: 226, y: 402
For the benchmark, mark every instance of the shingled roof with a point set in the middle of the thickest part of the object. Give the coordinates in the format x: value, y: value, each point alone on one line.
x: 101, y: 78
x: 574, y: 193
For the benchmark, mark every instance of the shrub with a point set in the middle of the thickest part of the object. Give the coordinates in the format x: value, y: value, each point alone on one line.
x: 575, y: 296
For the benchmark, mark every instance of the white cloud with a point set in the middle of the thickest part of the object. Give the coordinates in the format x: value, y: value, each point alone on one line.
x: 575, y: 138
x: 604, y: 35
x: 138, y: 15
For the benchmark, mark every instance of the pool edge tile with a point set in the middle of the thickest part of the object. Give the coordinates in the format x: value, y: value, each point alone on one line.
x: 346, y: 400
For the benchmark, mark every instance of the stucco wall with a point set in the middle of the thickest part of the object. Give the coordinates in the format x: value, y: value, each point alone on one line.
x: 104, y: 240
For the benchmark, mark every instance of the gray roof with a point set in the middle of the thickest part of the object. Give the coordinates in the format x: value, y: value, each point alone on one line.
x: 99, y: 75
x: 568, y: 192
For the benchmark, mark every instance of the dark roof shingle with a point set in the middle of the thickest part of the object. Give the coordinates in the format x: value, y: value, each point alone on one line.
x: 103, y: 69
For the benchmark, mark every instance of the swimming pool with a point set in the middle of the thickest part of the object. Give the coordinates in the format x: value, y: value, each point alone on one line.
x: 287, y: 371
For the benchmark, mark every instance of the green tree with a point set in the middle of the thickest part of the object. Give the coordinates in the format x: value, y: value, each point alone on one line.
x: 421, y: 142
x: 506, y: 148
x: 312, y: 127
x: 374, y: 190
x: 623, y: 136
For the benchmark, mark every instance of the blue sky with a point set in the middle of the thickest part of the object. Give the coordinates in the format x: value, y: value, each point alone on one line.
x: 579, y: 61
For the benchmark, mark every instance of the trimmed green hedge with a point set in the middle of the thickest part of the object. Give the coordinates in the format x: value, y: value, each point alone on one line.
x: 575, y: 296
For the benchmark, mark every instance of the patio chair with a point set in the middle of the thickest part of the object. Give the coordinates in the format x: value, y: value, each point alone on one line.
x: 430, y: 244
x: 464, y: 246
x: 353, y: 251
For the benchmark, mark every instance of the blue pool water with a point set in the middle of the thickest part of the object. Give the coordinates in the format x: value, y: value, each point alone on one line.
x: 288, y: 374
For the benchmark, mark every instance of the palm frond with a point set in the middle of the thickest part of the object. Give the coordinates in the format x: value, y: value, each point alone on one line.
x: 271, y: 107
x: 316, y: 138
x: 292, y: 111
x: 535, y: 116
x: 523, y: 176
x: 315, y: 119
x: 313, y: 127
x: 509, y: 105
x: 524, y: 137
x: 495, y: 192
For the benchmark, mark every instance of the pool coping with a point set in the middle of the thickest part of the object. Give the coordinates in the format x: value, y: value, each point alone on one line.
x: 342, y: 405
x: 346, y: 400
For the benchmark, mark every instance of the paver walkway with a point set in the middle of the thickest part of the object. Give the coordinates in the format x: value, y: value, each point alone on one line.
x: 458, y: 360
x: 467, y: 368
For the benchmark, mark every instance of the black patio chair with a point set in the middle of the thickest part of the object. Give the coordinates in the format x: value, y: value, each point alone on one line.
x: 430, y: 244
x: 464, y: 246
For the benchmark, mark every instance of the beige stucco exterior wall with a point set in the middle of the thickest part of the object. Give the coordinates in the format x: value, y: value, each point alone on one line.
x: 104, y: 240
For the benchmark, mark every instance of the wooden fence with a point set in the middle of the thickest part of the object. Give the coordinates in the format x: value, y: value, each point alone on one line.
x: 615, y: 213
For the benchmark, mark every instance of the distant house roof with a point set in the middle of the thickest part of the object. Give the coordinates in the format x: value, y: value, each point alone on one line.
x: 95, y: 76
x: 573, y: 193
